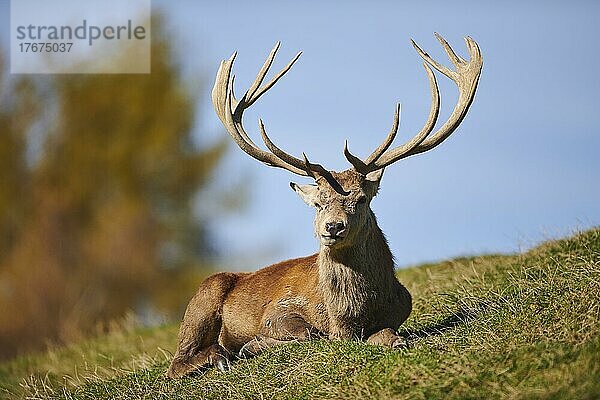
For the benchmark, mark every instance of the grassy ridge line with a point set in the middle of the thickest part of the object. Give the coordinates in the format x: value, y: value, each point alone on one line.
x: 524, y: 326
x: 124, y: 350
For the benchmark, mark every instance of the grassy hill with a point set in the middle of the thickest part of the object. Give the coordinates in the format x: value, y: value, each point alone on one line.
x: 520, y: 326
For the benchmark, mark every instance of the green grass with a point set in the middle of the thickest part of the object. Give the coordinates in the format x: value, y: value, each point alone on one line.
x: 521, y: 326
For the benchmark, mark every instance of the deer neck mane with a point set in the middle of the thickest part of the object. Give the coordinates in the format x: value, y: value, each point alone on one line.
x: 353, y: 279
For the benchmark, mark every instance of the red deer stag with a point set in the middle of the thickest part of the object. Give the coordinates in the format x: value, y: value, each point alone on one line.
x: 348, y: 289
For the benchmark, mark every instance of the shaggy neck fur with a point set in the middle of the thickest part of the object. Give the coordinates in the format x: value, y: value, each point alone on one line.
x: 354, y: 279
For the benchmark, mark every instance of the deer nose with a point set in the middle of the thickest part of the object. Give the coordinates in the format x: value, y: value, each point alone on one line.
x: 334, y: 228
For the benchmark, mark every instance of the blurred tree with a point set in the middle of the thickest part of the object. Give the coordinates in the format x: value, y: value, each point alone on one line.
x: 100, y: 222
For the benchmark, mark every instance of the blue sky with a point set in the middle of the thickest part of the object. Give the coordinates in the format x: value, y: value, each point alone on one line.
x: 523, y: 166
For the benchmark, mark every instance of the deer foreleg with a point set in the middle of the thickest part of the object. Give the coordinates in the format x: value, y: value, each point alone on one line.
x: 387, y: 337
x: 280, y: 330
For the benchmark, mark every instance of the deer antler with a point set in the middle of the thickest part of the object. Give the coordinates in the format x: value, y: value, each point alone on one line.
x: 466, y: 78
x: 230, y: 112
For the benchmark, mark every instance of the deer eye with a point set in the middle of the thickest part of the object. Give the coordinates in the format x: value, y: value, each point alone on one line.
x: 361, y: 200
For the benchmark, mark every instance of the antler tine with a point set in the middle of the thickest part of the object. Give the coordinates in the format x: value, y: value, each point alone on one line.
x: 255, y: 90
x: 312, y: 170
x: 230, y: 112
x: 356, y: 162
x: 456, y: 59
x: 240, y: 137
x: 289, y: 159
x: 434, y: 111
x: 274, y: 80
x: 466, y: 76
x: 219, y: 92
x: 263, y: 72
x: 389, y: 139
x: 380, y: 158
x: 362, y: 166
x: 444, y: 70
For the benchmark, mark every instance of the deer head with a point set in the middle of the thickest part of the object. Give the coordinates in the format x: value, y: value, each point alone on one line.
x: 342, y: 215
x: 342, y: 199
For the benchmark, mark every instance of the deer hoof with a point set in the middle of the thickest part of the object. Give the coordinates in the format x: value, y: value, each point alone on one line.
x: 223, y: 364
x: 248, y: 350
x: 400, y: 343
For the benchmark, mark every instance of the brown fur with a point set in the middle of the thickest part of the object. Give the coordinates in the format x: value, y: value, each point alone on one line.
x: 347, y: 290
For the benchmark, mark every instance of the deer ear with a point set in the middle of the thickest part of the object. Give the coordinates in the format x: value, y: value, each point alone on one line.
x: 308, y: 193
x: 375, y: 176
x: 373, y: 179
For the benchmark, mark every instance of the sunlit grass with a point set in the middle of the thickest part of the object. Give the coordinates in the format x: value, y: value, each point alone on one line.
x: 523, y: 326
